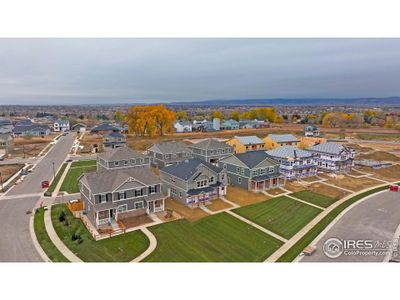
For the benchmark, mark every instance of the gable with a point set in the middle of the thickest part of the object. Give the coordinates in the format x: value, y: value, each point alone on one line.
x: 267, y: 162
x: 129, y: 184
x: 201, y: 171
x: 233, y: 160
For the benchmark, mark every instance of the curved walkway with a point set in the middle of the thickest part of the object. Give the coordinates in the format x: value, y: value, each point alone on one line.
x: 150, y: 249
x: 56, y: 240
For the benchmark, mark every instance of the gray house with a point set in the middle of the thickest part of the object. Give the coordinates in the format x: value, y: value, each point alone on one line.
x: 116, y: 194
x: 169, y: 153
x: 193, y: 182
x: 121, y: 158
x: 311, y: 130
x: 31, y: 130
x: 254, y: 171
x: 114, y: 140
x: 211, y: 150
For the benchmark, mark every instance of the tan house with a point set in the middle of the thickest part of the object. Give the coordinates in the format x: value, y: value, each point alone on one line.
x: 273, y: 141
x: 242, y: 144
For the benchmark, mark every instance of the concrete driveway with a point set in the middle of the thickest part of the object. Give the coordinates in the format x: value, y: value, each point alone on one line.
x: 16, y: 243
x: 376, y: 218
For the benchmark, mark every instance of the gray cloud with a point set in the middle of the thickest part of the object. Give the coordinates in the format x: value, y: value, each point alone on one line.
x: 76, y: 71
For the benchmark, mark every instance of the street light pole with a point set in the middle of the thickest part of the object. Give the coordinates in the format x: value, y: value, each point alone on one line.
x: 54, y: 172
x: 1, y: 180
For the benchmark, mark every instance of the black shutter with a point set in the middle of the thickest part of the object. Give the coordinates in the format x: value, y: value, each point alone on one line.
x: 124, y: 195
x: 118, y: 196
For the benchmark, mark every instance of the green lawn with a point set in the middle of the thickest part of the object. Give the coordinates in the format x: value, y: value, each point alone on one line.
x: 281, y: 215
x: 44, y: 239
x: 56, y: 179
x: 70, y: 183
x: 83, y: 163
x: 305, y: 241
x: 217, y: 238
x: 121, y: 248
x: 314, y: 198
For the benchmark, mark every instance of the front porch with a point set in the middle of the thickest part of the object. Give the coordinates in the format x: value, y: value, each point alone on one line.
x: 204, y: 197
x: 266, y: 184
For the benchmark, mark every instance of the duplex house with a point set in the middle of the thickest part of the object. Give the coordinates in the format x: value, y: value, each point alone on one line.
x: 104, y: 128
x: 211, y: 150
x: 193, y: 182
x: 114, y: 140
x: 273, y: 141
x: 333, y: 157
x: 61, y: 125
x: 121, y: 158
x: 295, y: 163
x: 311, y: 130
x: 168, y: 153
x: 243, y: 144
x: 114, y: 194
x: 254, y: 171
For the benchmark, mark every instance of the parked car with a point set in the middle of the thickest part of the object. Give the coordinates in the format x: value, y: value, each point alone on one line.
x: 45, y: 184
x: 23, y: 172
x: 394, y: 188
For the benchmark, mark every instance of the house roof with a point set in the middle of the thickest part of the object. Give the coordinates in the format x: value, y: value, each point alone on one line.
x: 184, y: 123
x: 32, y: 128
x: 122, y: 153
x: 251, y: 139
x: 170, y: 147
x: 186, y: 169
x: 79, y: 125
x: 283, y: 138
x: 310, y: 127
x: 115, y: 135
x: 109, y: 180
x: 210, y: 144
x: 62, y: 122
x: 105, y: 127
x: 253, y: 158
x: 328, y: 147
x: 288, y: 152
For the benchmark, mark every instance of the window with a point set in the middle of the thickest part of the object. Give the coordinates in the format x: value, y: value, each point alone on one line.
x: 173, y: 191
x: 122, y: 208
x: 152, y: 189
x: 116, y: 163
x: 132, y: 161
x: 125, y: 162
x: 121, y: 195
x: 212, y: 179
x: 180, y: 194
x: 172, y: 179
x: 138, y: 193
x: 262, y: 171
x: 201, y: 183
x: 239, y: 180
x: 139, y: 205
x: 255, y: 172
x: 103, y: 198
x: 271, y: 170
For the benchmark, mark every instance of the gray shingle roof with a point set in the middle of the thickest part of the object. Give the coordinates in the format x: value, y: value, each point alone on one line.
x: 252, y: 159
x: 170, y: 147
x: 288, y: 151
x: 105, y: 127
x: 251, y: 139
x: 283, y: 138
x: 122, y: 153
x: 115, y: 135
x: 210, y: 144
x: 31, y: 128
x: 186, y: 169
x: 328, y: 147
x: 109, y: 180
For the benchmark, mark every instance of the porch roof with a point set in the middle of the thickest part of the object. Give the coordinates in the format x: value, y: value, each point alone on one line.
x: 207, y: 189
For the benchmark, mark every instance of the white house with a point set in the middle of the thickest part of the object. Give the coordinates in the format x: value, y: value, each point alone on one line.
x: 181, y: 126
x: 61, y: 125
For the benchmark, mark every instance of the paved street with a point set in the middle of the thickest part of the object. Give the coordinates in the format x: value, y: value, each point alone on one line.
x: 16, y: 243
x: 375, y: 218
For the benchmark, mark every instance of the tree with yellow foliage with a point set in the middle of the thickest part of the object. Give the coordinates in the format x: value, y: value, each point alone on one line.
x: 217, y: 114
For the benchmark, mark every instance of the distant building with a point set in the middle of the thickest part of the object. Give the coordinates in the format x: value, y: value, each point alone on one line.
x: 104, y: 128
x: 254, y: 171
x: 273, y: 141
x: 205, y: 125
x: 311, y: 131
x: 114, y: 140
x: 79, y: 127
x: 6, y: 126
x: 295, y: 163
x: 121, y: 158
x: 211, y: 150
x: 31, y: 129
x: 230, y: 125
x: 333, y: 157
x: 243, y: 144
x: 5, y: 141
x: 61, y: 125
x: 169, y: 153
x: 183, y: 126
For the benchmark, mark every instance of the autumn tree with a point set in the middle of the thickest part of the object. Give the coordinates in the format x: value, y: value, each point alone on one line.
x: 182, y: 115
x: 234, y: 116
x: 118, y: 116
x: 217, y: 114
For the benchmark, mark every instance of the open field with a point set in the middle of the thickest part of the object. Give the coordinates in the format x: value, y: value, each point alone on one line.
x: 44, y: 240
x: 191, y: 214
x: 282, y: 215
x: 218, y: 204
x: 70, y: 183
x: 314, y: 198
x: 351, y: 183
x: 121, y: 248
x: 390, y: 174
x: 305, y: 241
x: 217, y: 238
x: 30, y: 146
x: 379, y: 156
x: 243, y: 197
x: 7, y: 171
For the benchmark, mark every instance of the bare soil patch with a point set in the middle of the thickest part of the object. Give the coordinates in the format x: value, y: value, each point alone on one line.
x: 379, y: 156
x: 350, y: 183
x: 130, y: 222
x: 327, y: 190
x: 191, y: 214
x: 7, y: 171
x: 243, y: 197
x: 218, y: 204
x: 276, y: 191
x: 390, y: 174
x: 295, y: 186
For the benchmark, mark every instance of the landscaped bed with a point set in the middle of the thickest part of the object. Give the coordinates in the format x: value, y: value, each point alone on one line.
x: 242, y: 197
x: 44, y: 240
x: 216, y: 238
x: 121, y: 248
x: 305, y: 241
x: 282, y: 215
x: 314, y: 198
x: 70, y: 183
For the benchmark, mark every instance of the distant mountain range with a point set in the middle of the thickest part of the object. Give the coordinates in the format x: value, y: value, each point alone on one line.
x: 363, y: 102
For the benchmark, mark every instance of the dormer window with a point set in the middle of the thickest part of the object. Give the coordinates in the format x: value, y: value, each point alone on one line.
x: 116, y: 163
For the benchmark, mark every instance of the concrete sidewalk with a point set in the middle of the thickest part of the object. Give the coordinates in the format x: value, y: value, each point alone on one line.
x: 150, y: 249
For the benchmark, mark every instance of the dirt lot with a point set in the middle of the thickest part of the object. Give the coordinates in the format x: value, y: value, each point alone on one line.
x: 88, y: 140
x: 327, y: 190
x: 275, y: 192
x: 379, y: 156
x: 218, y: 204
x: 243, y: 197
x: 294, y: 186
x: 191, y: 214
x: 131, y: 222
x: 30, y: 146
x: 390, y: 174
x: 350, y: 183
x: 8, y: 171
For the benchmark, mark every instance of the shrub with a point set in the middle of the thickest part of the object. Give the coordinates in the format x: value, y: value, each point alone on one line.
x: 62, y: 216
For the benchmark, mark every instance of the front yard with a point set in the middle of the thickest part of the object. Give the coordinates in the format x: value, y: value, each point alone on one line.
x: 70, y: 183
x: 314, y: 198
x: 242, y: 197
x: 216, y: 238
x: 121, y: 248
x: 282, y: 215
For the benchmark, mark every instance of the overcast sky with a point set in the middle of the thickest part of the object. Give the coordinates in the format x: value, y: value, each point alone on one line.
x: 80, y: 71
